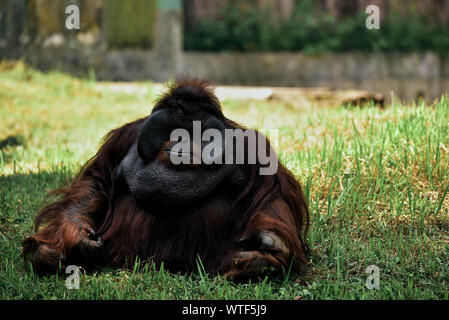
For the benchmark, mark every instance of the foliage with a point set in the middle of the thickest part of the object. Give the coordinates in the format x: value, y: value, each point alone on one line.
x: 311, y: 31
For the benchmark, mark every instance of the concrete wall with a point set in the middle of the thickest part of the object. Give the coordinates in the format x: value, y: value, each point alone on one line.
x: 409, y: 75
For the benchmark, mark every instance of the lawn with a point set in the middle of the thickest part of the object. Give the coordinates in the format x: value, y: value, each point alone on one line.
x: 376, y: 182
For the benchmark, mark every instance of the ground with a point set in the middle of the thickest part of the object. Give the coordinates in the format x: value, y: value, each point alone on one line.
x: 376, y: 182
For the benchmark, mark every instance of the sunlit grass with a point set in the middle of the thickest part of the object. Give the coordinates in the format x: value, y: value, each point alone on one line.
x: 376, y: 181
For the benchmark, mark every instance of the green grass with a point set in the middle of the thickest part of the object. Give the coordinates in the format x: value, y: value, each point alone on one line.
x: 376, y: 182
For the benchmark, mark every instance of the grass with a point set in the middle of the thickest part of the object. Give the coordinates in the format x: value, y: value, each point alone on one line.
x: 376, y: 182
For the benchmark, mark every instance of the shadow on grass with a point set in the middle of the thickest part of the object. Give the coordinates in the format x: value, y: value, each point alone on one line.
x: 22, y: 195
x: 12, y: 141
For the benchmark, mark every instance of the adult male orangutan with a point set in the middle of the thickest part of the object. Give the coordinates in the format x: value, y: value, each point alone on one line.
x: 131, y: 200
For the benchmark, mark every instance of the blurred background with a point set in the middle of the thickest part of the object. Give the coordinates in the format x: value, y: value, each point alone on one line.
x: 297, y: 43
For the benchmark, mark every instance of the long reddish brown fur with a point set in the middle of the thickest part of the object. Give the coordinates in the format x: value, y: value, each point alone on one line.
x: 175, y: 237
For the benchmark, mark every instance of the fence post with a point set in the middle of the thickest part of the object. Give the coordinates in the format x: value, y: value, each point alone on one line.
x: 168, y: 46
